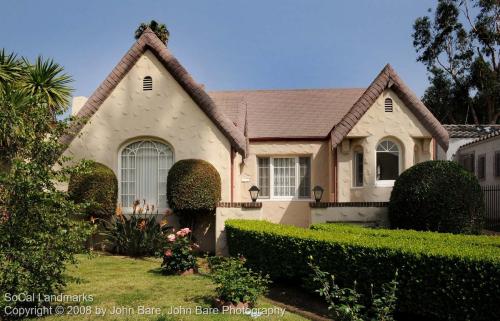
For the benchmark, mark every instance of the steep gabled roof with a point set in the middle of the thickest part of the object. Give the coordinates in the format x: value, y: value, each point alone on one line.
x: 482, y: 138
x: 388, y: 78
x: 149, y: 41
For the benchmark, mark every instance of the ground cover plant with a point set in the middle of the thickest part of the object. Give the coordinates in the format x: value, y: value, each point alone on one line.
x: 237, y: 283
x: 346, y: 304
x: 439, y: 279
x: 134, y: 235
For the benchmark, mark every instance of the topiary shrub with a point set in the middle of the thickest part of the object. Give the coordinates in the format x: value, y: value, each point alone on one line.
x: 437, y: 196
x: 97, y: 186
x: 193, y: 187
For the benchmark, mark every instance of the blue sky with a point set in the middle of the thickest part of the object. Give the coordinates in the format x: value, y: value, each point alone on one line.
x: 227, y: 44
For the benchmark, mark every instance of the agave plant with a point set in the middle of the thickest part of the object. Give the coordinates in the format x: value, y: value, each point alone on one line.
x: 137, y: 235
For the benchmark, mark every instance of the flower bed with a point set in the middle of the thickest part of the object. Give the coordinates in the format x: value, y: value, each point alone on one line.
x: 441, y: 276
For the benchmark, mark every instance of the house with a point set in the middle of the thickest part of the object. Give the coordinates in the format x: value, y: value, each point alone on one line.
x: 482, y: 157
x: 462, y: 134
x: 149, y: 112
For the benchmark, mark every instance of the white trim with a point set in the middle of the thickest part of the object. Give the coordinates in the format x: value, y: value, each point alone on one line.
x: 296, y: 197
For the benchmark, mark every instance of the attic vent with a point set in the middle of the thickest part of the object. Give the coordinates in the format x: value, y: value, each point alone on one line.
x: 388, y: 105
x: 147, y: 83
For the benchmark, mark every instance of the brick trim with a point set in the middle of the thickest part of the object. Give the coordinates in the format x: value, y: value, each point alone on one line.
x: 240, y: 204
x: 348, y: 204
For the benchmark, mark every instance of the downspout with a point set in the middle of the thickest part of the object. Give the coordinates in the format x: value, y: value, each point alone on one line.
x: 232, y: 154
x: 335, y: 176
x: 434, y: 149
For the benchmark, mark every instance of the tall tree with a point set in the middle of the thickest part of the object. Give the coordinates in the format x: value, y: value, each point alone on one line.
x: 39, y: 232
x: 160, y: 29
x: 460, y: 46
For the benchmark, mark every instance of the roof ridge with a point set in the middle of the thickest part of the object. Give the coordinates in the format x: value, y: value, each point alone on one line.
x: 277, y: 90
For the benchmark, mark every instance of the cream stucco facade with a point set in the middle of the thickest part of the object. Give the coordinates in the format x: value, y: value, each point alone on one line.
x: 166, y: 113
x: 400, y: 126
x: 174, y: 114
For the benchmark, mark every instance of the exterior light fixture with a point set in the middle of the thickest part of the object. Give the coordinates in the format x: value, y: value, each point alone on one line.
x: 318, y: 193
x: 254, y: 193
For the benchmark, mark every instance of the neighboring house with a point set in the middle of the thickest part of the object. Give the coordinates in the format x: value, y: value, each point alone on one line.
x: 149, y: 113
x: 462, y: 134
x: 482, y: 157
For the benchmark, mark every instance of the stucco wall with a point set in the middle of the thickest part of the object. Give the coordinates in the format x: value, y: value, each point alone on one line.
x: 487, y: 148
x: 362, y: 215
x: 166, y: 113
x: 226, y: 213
x: 295, y: 212
x: 454, y: 145
x: 401, y: 126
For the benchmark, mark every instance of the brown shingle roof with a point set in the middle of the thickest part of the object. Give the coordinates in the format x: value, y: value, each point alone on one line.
x: 470, y: 131
x: 388, y: 78
x: 291, y: 114
x: 482, y: 138
x: 149, y: 41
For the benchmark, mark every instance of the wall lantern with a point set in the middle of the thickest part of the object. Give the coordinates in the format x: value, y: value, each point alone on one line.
x: 254, y: 193
x: 318, y: 193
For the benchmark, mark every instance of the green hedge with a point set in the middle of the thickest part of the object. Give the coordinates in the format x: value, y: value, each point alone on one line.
x: 193, y: 187
x: 437, y: 196
x: 440, y: 275
x: 97, y: 186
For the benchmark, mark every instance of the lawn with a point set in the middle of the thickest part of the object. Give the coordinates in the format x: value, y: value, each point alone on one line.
x: 117, y: 281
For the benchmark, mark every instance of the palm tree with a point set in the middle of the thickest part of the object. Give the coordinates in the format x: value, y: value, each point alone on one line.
x: 160, y: 29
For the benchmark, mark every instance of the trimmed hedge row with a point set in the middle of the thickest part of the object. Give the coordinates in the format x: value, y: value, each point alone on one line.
x: 445, y: 238
x: 440, y: 275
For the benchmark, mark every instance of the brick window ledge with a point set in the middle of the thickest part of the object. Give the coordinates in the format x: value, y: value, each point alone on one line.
x: 240, y: 204
x: 348, y: 204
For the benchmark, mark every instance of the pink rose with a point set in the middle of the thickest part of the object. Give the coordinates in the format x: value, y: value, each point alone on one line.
x: 171, y: 237
x: 168, y: 253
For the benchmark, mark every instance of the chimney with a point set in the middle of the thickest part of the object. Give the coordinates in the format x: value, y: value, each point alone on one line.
x: 77, y: 104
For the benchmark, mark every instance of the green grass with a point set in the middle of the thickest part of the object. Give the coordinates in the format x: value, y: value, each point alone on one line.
x: 117, y: 281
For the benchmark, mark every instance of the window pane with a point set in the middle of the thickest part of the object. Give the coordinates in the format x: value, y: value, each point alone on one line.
x: 387, y: 166
x: 264, y: 177
x: 284, y: 176
x: 144, y: 169
x: 305, y: 177
x: 481, y: 167
x: 497, y: 164
x: 358, y: 169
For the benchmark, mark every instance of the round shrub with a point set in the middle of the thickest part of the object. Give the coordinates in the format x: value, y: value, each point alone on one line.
x: 97, y: 186
x: 193, y: 187
x: 437, y: 196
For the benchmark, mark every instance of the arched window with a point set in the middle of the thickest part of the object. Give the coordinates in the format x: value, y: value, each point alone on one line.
x: 388, y: 160
x: 388, y: 105
x: 144, y: 166
x: 147, y: 83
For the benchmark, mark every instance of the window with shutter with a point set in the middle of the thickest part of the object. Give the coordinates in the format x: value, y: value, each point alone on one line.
x: 481, y: 166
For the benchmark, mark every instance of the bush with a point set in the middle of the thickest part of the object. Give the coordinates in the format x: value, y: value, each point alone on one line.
x: 98, y: 187
x: 236, y: 283
x: 439, y: 275
x: 437, y: 196
x: 178, y: 253
x: 138, y: 235
x: 193, y: 187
